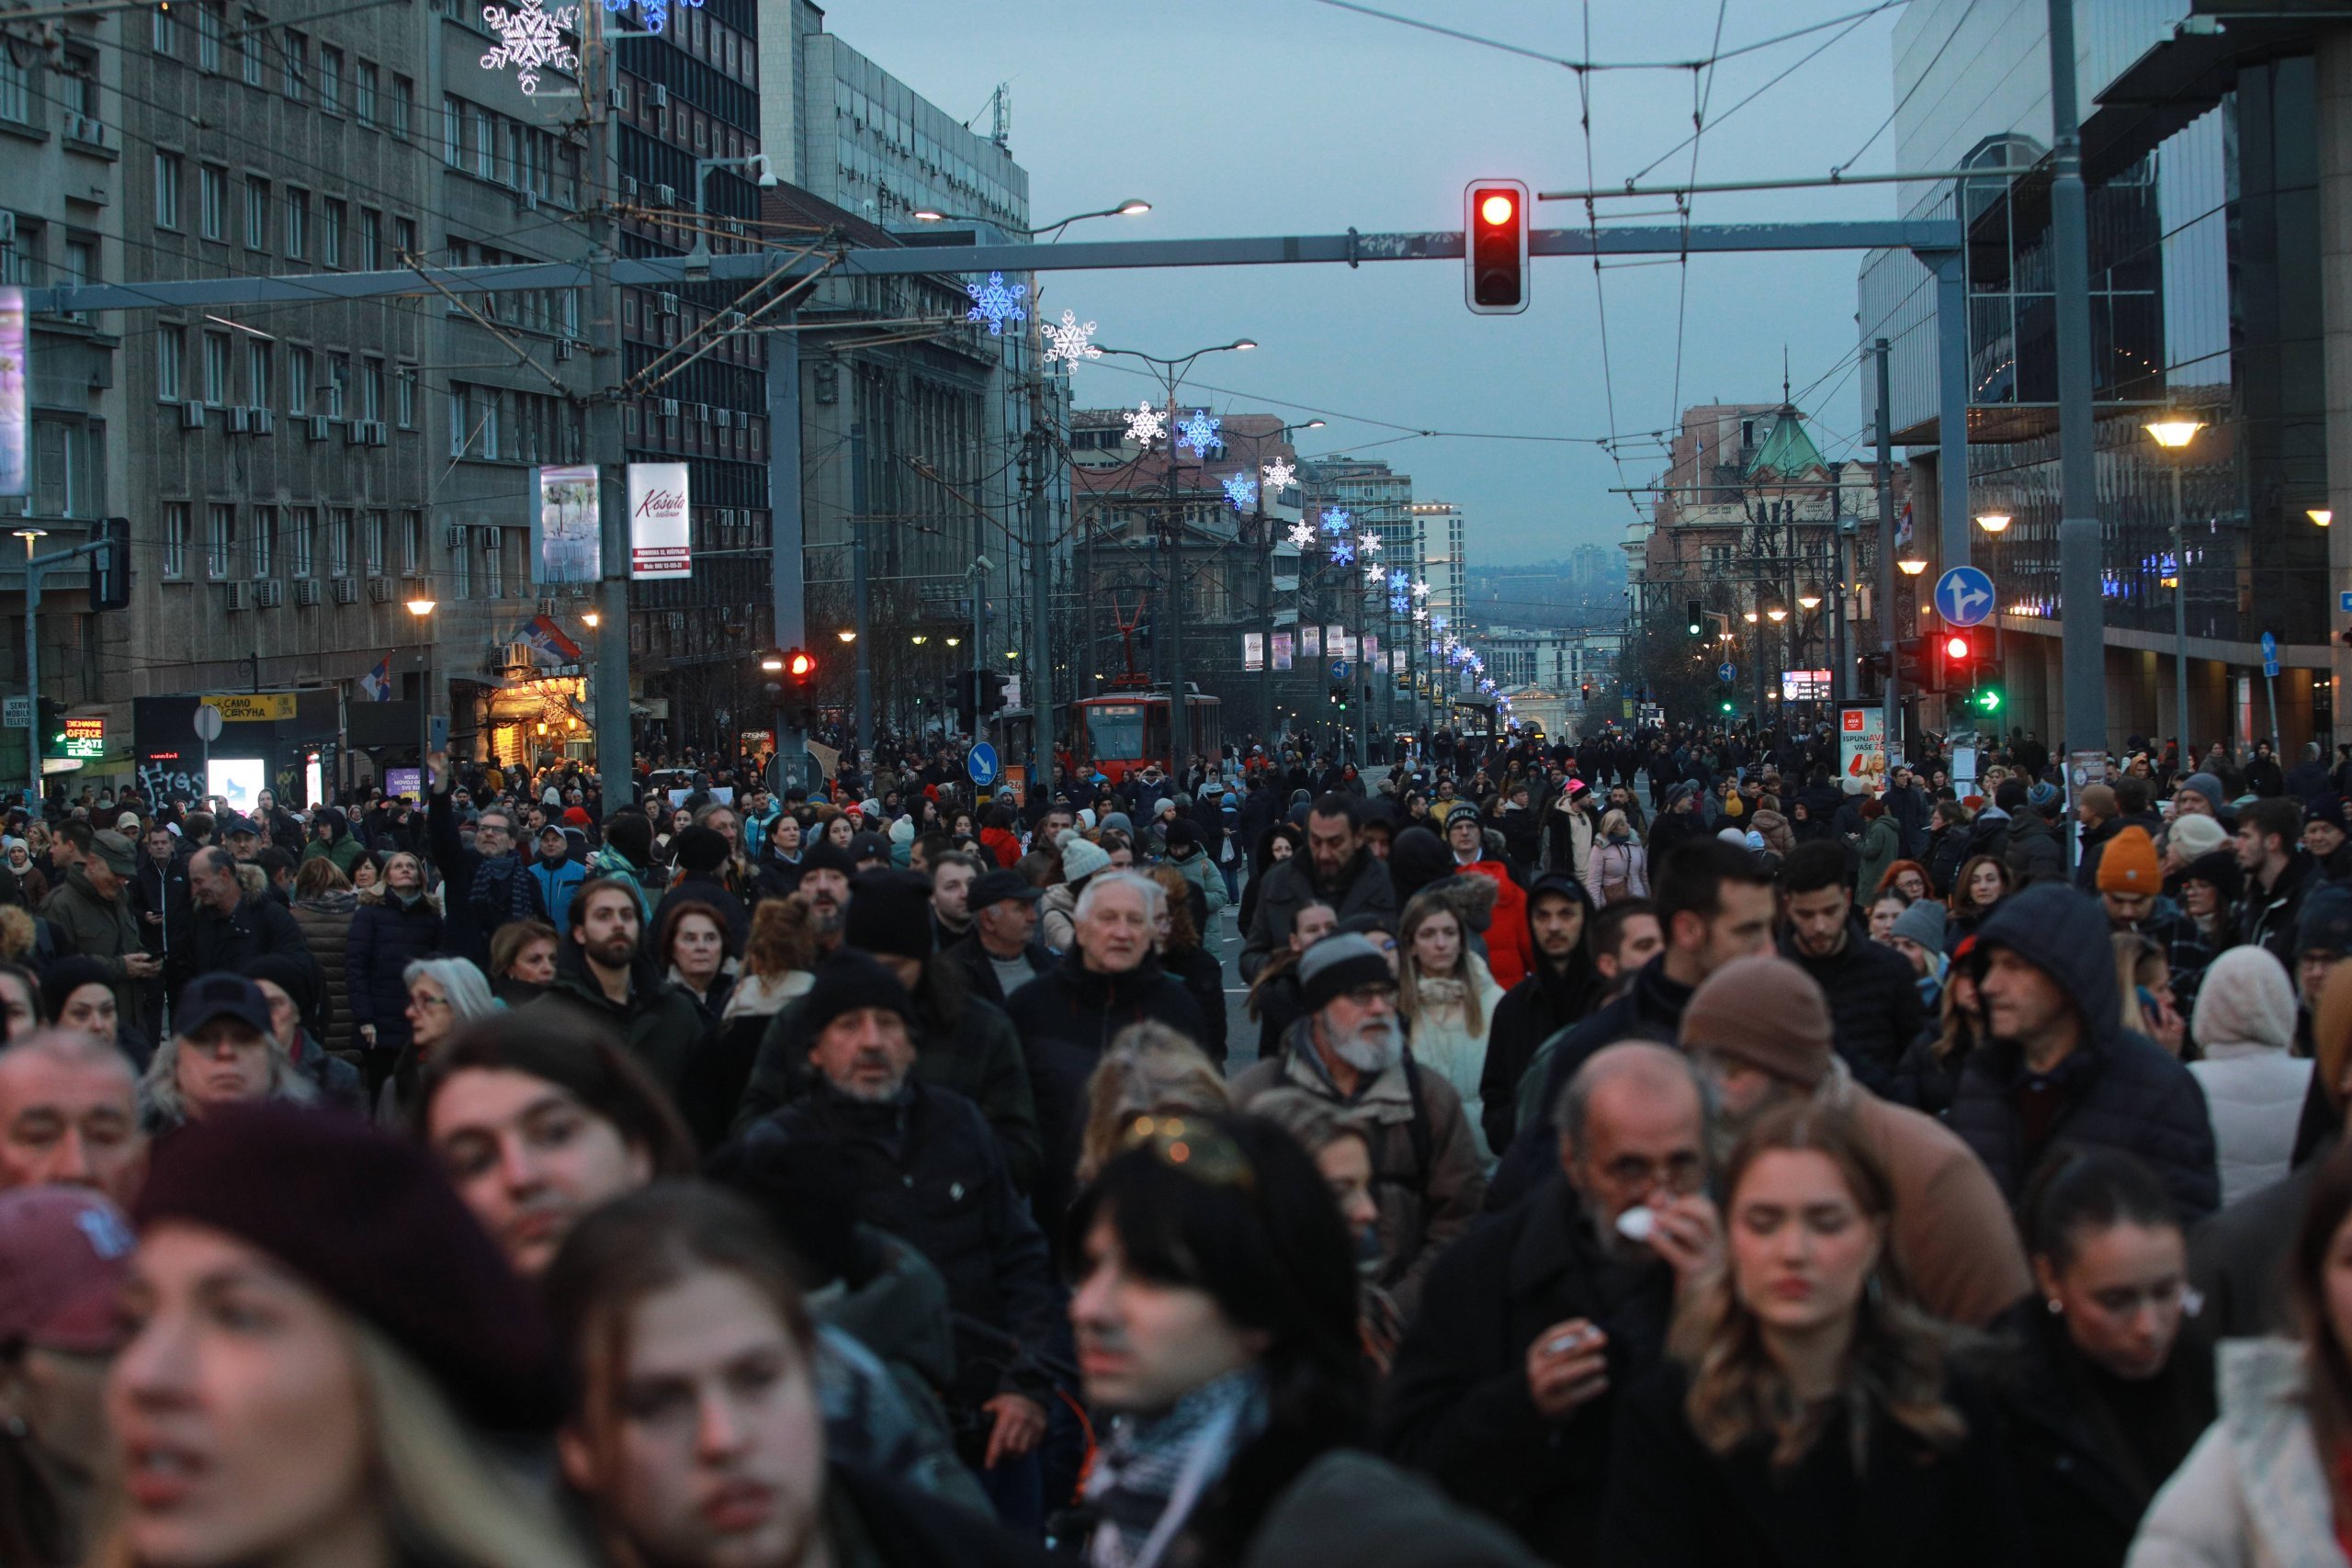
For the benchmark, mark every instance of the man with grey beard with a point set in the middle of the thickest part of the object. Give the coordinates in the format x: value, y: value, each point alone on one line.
x: 1350, y: 1050
x: 920, y: 1162
x: 1504, y: 1385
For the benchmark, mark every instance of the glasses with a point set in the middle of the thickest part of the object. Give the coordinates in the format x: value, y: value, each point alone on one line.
x: 1372, y: 992
x: 1681, y: 1172
x: 1197, y: 1149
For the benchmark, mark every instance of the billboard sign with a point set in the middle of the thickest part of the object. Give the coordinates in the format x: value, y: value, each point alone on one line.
x: 567, y: 531
x: 15, y: 396
x: 1861, y: 749
x: 659, y: 544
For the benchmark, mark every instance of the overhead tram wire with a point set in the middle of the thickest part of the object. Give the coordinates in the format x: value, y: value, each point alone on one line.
x: 1683, y: 205
x: 1784, y: 75
x: 1592, y: 229
x: 1921, y: 80
x: 1587, y: 65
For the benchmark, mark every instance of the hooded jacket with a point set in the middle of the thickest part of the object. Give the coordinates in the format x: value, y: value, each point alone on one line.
x: 1552, y: 997
x: 659, y: 1022
x: 338, y: 846
x: 2116, y: 1089
x: 1364, y: 888
x: 2254, y: 1088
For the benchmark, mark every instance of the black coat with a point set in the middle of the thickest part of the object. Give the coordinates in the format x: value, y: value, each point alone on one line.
x: 1203, y: 978
x: 1674, y: 1504
x: 1650, y: 1008
x: 385, y: 940
x: 2120, y: 1090
x: 2080, y: 1477
x: 1874, y: 1010
x: 479, y: 893
x: 2035, y: 853
x: 1550, y: 999
x: 926, y: 1169
x: 257, y: 926
x: 979, y: 974
x: 1456, y: 1404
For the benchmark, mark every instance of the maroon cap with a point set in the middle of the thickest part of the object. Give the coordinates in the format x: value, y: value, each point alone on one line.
x: 64, y: 1253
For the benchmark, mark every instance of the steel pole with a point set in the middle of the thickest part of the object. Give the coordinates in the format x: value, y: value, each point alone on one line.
x: 1040, y: 684
x: 1171, y: 603
x: 2179, y: 620
x: 1886, y: 638
x: 858, y: 596
x: 32, y: 681
x: 2082, y: 613
x: 788, y: 534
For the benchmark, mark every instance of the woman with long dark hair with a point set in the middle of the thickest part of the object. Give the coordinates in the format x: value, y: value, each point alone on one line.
x: 1807, y: 1413
x: 1276, y: 844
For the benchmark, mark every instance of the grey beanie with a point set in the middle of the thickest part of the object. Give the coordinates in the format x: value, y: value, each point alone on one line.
x: 1339, y: 964
x: 2206, y: 785
x: 1923, y: 922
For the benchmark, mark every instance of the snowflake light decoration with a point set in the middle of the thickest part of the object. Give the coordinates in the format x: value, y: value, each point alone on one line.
x: 1421, y: 589
x: 1400, y: 605
x: 657, y: 12
x: 996, y: 302
x: 1419, y: 615
x: 1439, y: 622
x: 1278, y: 475
x: 1145, y: 426
x: 1199, y: 433
x: 1399, y: 580
x: 1069, y: 340
x: 530, y: 38
x: 1240, y: 490
x: 1342, y: 553
x: 1301, y: 536
x: 1369, y: 543
x: 1336, y: 521
x: 1370, y: 573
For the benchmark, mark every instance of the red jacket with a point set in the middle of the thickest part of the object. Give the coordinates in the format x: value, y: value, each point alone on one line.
x: 1006, y: 847
x: 1510, y: 951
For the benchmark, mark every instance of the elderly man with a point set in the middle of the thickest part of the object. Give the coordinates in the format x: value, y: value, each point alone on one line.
x: 1002, y: 952
x: 1763, y: 1034
x: 233, y: 929
x: 1065, y: 1016
x: 1504, y: 1385
x: 920, y: 1163
x: 1337, y: 869
x: 69, y: 1114
x: 91, y: 915
x: 1350, y: 1051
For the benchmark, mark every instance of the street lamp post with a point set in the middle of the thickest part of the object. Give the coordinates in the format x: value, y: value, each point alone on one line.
x: 1171, y: 371
x: 422, y: 608
x: 2174, y: 435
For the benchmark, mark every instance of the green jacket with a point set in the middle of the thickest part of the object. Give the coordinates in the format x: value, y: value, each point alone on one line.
x: 85, y: 922
x: 344, y: 852
x: 1203, y: 874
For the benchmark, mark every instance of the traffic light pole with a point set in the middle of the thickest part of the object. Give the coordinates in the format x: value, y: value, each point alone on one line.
x: 1893, y: 739
x: 787, y: 534
x: 34, y: 567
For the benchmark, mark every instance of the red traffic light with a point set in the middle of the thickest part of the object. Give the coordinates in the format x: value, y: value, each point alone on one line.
x: 801, y: 666
x: 1496, y: 208
x: 1494, y: 246
x: 1957, y: 647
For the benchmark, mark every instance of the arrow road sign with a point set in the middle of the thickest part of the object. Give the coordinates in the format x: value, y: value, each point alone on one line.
x: 980, y: 762
x: 1726, y: 673
x: 1964, y: 596
x: 2270, y: 654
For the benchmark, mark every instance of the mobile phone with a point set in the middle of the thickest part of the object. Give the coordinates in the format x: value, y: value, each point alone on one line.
x: 1574, y: 1338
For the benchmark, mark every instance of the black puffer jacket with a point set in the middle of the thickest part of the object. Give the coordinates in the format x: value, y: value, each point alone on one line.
x: 2116, y: 1088
x: 2035, y: 853
x: 1548, y: 1000
x: 1874, y: 1008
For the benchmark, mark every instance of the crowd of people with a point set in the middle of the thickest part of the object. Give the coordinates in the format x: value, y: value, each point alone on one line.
x: 1634, y: 1151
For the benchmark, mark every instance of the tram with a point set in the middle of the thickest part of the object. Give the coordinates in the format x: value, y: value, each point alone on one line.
x: 1116, y: 734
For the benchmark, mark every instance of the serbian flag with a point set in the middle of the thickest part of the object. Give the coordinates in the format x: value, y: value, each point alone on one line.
x: 377, y: 685
x: 547, y: 642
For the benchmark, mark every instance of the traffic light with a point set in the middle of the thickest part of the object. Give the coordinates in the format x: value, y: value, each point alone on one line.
x: 1954, y: 665
x: 991, y: 691
x: 966, y: 687
x: 51, y: 715
x: 1698, y: 619
x: 1494, y: 247
x: 1912, y: 665
x: 110, y: 567
x: 1986, y: 697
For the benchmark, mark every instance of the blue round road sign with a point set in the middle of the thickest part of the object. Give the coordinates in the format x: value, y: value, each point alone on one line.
x: 980, y: 762
x: 1964, y: 596
x: 1725, y: 673
x: 1339, y: 669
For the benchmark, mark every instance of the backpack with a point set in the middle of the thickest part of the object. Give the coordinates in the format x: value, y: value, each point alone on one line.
x: 1616, y: 872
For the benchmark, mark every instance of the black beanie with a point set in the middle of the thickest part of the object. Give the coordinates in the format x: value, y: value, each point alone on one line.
x: 699, y: 849
x: 1416, y: 858
x: 1183, y: 835
x: 63, y: 976
x: 288, y: 974
x: 823, y: 854
x: 368, y: 1220
x: 845, y: 982
x: 632, y: 833
x: 890, y: 911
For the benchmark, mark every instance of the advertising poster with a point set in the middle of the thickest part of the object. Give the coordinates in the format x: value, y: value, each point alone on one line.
x: 659, y: 547
x: 1310, y: 642
x: 1282, y: 650
x: 1861, y: 749
x: 567, y: 531
x: 15, y: 396
x: 1253, y: 651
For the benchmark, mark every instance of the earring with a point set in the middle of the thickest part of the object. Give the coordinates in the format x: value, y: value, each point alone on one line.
x: 2057, y: 1307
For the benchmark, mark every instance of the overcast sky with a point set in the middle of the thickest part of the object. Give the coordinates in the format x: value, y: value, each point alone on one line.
x: 1273, y: 116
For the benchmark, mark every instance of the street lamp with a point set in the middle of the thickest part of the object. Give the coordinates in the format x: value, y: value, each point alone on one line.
x: 1911, y: 566
x: 2174, y: 435
x: 847, y: 634
x: 1778, y: 614
x: 1993, y: 521
x: 2319, y: 514
x: 1748, y: 616
x: 1810, y: 599
x: 699, y: 256
x: 1131, y: 207
x: 422, y: 608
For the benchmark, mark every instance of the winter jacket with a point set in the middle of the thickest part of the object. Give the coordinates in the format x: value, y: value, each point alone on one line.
x: 2267, y: 918
x: 1874, y: 1006
x: 255, y: 927
x: 162, y: 890
x: 659, y: 1022
x: 2081, y: 1480
x: 1002, y: 847
x: 1456, y: 1404
x: 338, y: 845
x: 2254, y: 1095
x: 384, y: 939
x: 2035, y: 852
x: 979, y: 972
x: 1347, y: 1508
x: 1548, y: 1000
x: 1510, y: 949
x: 479, y: 893
x: 1951, y: 1233
x: 1202, y: 977
x: 639, y: 880
x: 325, y: 924
x: 925, y: 1167
x: 1426, y: 1177
x: 2094, y: 845
x: 712, y: 1084
x: 1057, y: 917
x: 1201, y: 873
x: 1673, y: 1502
x: 84, y: 922
x: 1881, y: 847
x: 1444, y: 1043
x: 1615, y: 872
x: 2253, y: 1493
x: 2117, y: 1090
x: 1362, y: 888
x: 556, y: 883
x: 1569, y: 834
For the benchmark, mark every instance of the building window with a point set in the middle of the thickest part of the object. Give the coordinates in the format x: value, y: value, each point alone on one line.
x: 166, y: 34
x: 402, y: 91
x: 461, y: 568
x: 412, y: 544
x: 371, y: 389
x: 331, y: 213
x: 485, y: 145
x: 220, y: 540
x: 212, y: 202
x: 339, y: 543
x: 167, y: 190
x: 404, y: 397
x: 298, y: 224
x: 298, y: 51
x: 80, y: 261
x: 493, y: 565
x: 168, y: 350
x: 216, y: 368
x: 210, y: 25
x: 302, y: 545
x: 297, y: 381
x: 15, y: 88
x: 259, y: 393
x: 330, y: 79
x: 256, y: 213
x: 453, y: 133
x: 175, y: 538
x: 363, y: 92
x: 265, y: 540
x: 338, y: 385
x: 371, y: 238
x: 249, y: 47
x: 375, y: 543
x: 403, y: 240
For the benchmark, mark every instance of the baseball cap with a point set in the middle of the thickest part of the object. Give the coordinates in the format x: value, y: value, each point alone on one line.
x: 996, y: 887
x: 64, y: 1253
x: 217, y: 995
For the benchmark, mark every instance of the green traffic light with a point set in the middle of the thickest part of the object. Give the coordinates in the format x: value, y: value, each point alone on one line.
x: 1728, y: 706
x: 1989, y: 699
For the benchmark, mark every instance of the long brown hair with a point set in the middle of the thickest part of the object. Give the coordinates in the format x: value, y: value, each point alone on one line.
x: 1895, y: 1365
x: 1418, y: 910
x: 2327, y: 1364
x: 1961, y: 901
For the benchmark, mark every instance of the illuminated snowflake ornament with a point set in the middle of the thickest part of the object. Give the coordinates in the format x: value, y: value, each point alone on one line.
x: 1302, y: 536
x: 1069, y: 340
x: 1278, y: 475
x: 1419, y: 615
x: 1399, y: 580
x: 1371, y: 573
x: 1336, y: 521
x: 1240, y: 490
x: 1145, y: 426
x: 531, y: 38
x: 1369, y: 543
x: 996, y: 302
x: 1343, y: 553
x: 1200, y: 433
x: 1421, y: 589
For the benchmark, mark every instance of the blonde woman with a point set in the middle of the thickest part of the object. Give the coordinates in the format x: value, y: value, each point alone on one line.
x: 1447, y: 998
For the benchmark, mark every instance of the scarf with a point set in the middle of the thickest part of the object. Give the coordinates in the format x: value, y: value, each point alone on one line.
x: 1152, y: 1470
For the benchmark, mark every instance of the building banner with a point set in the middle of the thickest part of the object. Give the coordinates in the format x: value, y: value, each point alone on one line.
x: 659, y: 543
x: 1253, y: 651
x: 1282, y: 650
x: 1861, y: 749
x: 1310, y: 642
x: 567, y: 529
x: 15, y: 396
